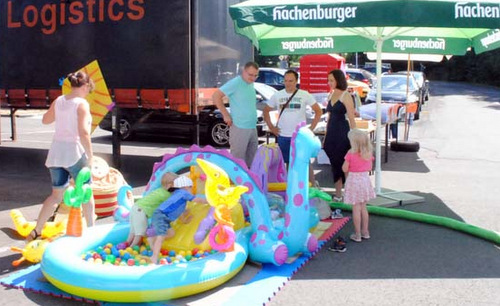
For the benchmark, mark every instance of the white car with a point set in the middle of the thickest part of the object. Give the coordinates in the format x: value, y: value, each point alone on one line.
x: 264, y: 94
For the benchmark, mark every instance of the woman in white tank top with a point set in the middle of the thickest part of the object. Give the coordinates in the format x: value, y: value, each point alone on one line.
x: 71, y: 148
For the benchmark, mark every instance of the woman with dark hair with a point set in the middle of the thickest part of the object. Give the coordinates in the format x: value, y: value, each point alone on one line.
x: 71, y: 148
x: 340, y: 120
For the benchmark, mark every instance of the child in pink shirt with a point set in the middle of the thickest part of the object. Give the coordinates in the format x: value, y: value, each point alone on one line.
x: 358, y: 187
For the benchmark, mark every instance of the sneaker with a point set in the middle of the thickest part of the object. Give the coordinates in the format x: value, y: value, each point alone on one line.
x: 365, y: 236
x: 337, y: 214
x: 337, y: 199
x: 338, y: 246
x: 355, y: 237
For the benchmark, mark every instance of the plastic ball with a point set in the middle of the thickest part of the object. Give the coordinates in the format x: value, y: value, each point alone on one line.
x: 163, y: 261
x: 110, y: 258
x: 121, y: 246
x: 189, y: 257
x: 171, y: 253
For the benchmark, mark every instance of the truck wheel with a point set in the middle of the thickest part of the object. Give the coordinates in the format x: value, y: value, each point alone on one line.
x: 219, y: 134
x: 125, y: 129
x: 405, y: 146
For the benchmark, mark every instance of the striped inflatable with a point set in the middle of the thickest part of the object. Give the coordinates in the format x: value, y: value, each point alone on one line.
x: 106, y: 191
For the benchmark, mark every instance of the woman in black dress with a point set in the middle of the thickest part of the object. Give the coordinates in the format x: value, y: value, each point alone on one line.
x: 340, y: 111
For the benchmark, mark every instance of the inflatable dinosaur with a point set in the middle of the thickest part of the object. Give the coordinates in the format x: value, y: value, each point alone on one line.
x: 269, y: 243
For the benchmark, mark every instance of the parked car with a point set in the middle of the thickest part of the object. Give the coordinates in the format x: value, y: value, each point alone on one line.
x: 362, y: 75
x: 372, y: 67
x: 360, y: 87
x: 422, y: 82
x: 273, y: 77
x: 264, y: 94
x: 174, y: 124
x: 394, y: 90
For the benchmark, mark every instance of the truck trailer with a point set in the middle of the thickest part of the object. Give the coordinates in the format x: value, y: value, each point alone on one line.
x: 161, y: 60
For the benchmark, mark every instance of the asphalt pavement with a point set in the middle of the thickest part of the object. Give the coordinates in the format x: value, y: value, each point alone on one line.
x: 456, y: 171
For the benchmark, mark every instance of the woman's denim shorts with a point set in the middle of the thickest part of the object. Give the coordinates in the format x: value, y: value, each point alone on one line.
x: 60, y: 176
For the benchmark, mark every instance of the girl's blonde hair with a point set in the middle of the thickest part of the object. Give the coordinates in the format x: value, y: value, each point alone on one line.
x: 360, y: 143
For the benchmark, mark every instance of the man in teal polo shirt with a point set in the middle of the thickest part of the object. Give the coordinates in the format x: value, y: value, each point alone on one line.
x: 243, y: 139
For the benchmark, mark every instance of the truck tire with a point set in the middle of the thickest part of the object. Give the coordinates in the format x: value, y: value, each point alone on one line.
x: 219, y: 134
x: 405, y: 146
x: 126, y: 132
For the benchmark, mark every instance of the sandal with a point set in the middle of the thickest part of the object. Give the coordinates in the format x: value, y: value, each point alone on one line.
x: 53, y: 217
x: 338, y: 199
x: 33, y: 235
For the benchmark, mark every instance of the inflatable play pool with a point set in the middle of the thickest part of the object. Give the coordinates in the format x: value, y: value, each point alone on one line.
x: 63, y: 266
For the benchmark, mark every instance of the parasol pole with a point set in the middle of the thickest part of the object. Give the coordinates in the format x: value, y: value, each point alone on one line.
x: 407, y: 93
x: 378, y: 158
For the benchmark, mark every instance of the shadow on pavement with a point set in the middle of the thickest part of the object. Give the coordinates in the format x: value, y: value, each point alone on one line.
x: 404, y: 249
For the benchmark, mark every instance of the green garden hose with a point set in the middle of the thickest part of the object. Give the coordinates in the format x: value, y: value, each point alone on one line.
x: 426, y: 218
